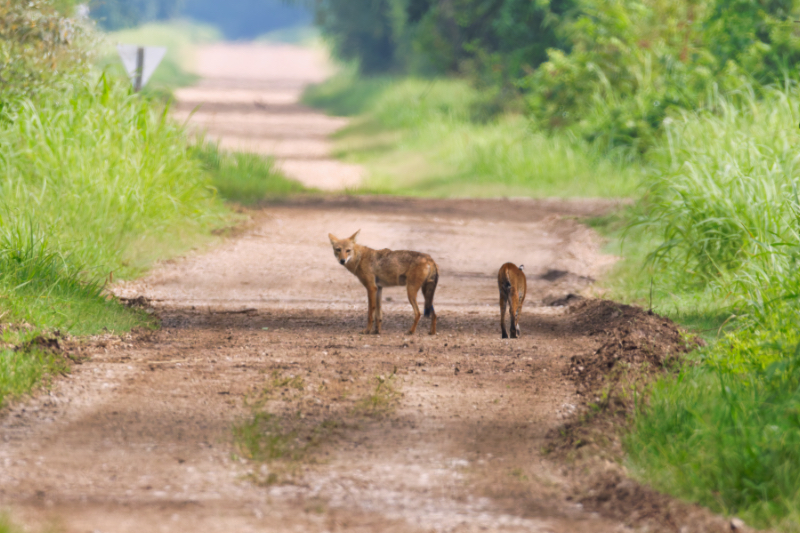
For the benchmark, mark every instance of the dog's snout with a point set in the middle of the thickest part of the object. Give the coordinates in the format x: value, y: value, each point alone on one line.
x: 341, y: 261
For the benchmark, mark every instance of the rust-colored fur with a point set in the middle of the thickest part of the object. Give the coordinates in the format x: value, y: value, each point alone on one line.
x: 377, y: 269
x: 513, y: 286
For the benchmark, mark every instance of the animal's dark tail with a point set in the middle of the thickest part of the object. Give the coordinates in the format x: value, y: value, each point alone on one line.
x: 505, y: 284
x: 428, y: 289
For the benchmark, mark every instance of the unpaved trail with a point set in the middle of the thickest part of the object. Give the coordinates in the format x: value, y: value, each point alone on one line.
x: 248, y: 101
x: 138, y: 437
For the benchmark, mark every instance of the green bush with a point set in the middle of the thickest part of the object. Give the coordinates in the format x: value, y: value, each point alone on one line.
x: 99, y: 170
x: 40, y: 48
x: 726, y: 433
x: 243, y: 177
x: 723, y: 197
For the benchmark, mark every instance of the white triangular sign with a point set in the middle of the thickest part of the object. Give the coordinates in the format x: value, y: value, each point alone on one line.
x: 140, y: 60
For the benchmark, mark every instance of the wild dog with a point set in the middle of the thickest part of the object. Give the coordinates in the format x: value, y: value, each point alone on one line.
x: 377, y: 269
x: 513, y: 286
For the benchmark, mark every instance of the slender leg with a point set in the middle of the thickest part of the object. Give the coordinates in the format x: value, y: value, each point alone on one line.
x: 513, y: 304
x: 370, y: 308
x: 378, y: 313
x: 412, y: 298
x: 503, y: 315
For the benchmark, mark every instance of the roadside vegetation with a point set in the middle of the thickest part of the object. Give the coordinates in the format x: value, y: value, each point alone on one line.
x: 690, y: 108
x: 242, y: 177
x: 97, y: 183
x: 433, y: 137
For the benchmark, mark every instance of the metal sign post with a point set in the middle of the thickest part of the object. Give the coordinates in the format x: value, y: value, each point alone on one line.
x: 140, y: 62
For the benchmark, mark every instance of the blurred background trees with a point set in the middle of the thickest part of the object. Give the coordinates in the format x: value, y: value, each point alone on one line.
x: 239, y: 19
x: 611, y: 70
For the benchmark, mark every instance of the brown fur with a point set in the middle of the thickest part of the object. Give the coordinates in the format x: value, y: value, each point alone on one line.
x: 513, y: 286
x: 377, y: 269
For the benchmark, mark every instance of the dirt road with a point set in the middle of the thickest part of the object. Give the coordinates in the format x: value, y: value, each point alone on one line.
x: 139, y: 437
x: 398, y: 433
x: 248, y: 100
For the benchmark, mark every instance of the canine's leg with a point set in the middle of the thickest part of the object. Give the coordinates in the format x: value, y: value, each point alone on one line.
x: 513, y: 311
x: 371, y: 294
x: 412, y: 298
x: 378, y: 312
x: 503, y: 299
x: 428, y: 289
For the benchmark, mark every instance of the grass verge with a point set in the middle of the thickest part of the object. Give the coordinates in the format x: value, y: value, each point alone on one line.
x: 717, y: 233
x: 244, y: 178
x: 97, y: 184
x: 441, y: 137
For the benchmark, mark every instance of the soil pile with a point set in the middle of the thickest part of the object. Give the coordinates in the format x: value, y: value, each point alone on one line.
x: 632, y: 342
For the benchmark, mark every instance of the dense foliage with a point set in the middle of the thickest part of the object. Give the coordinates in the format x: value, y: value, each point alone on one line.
x: 236, y: 19
x: 442, y: 35
x: 39, y: 47
x: 117, y: 14
x: 609, y: 70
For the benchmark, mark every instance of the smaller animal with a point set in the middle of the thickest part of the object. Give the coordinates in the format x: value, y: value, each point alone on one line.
x: 513, y: 286
x: 376, y: 269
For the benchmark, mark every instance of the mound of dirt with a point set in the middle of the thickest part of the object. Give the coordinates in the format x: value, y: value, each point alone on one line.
x: 633, y: 341
x: 612, y: 494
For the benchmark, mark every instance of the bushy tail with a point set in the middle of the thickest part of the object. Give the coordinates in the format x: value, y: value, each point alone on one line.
x: 505, y: 285
x: 428, y: 288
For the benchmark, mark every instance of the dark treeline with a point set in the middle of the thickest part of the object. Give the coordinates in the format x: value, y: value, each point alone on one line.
x: 613, y: 69
x: 237, y: 19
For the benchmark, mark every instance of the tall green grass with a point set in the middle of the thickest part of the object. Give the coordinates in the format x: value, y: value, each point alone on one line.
x: 100, y: 171
x: 724, y: 200
x: 721, y: 219
x: 95, y: 183
x: 441, y: 137
x: 728, y: 440
x: 241, y: 177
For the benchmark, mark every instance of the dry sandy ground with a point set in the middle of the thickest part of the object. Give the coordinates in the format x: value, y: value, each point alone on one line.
x: 248, y: 101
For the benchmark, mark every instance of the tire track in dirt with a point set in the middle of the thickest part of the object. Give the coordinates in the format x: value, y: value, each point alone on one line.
x: 248, y: 100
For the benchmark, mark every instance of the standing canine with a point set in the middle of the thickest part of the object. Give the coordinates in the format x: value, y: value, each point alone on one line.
x: 512, y: 284
x: 377, y: 269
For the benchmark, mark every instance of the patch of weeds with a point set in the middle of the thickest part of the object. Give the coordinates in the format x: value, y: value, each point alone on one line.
x: 518, y: 474
x: 6, y: 525
x: 278, y: 382
x: 22, y: 370
x: 244, y: 177
x: 383, y: 398
x: 281, y: 442
x: 280, y: 439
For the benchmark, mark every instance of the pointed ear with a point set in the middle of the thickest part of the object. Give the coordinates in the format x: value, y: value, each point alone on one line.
x: 332, y: 238
x: 353, y: 236
x: 522, y: 267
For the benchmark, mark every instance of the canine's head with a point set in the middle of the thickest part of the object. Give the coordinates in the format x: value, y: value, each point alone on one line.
x: 343, y: 249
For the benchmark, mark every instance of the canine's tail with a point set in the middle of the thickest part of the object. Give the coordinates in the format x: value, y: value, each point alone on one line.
x: 505, y: 283
x: 428, y: 288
